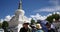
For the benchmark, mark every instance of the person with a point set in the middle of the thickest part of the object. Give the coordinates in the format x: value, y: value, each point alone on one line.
x: 48, y: 25
x: 25, y: 28
x: 39, y: 28
x: 43, y: 25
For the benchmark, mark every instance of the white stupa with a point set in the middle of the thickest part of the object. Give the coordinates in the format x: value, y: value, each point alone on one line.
x: 16, y: 22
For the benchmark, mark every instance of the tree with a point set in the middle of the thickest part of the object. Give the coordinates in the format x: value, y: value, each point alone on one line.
x: 0, y: 25
x: 5, y: 25
x: 53, y: 16
x: 56, y: 16
x: 32, y: 21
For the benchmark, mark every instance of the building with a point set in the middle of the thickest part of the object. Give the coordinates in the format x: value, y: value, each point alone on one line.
x: 16, y: 22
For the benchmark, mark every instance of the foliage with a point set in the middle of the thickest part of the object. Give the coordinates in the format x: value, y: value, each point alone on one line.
x: 53, y: 16
x: 0, y: 25
x: 32, y: 21
x: 5, y: 25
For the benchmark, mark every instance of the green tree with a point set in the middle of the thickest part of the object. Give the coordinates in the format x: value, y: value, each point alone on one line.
x: 56, y: 16
x: 0, y: 25
x: 5, y: 25
x: 53, y: 16
x: 32, y: 21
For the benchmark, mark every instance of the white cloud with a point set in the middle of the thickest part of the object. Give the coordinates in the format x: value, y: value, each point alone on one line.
x: 27, y: 19
x: 49, y: 9
x: 54, y: 8
x: 35, y: 17
x: 7, y: 18
x: 38, y: 17
x: 49, y: 14
x: 54, y: 2
x: 53, y: 13
x: 58, y: 13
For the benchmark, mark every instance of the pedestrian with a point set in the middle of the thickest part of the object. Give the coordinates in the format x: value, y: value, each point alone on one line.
x: 39, y: 28
x: 25, y: 28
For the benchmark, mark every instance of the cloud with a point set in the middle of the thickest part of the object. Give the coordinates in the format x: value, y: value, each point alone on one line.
x: 54, y: 8
x: 56, y: 12
x: 27, y: 19
x: 35, y: 17
x: 7, y: 18
x: 49, y: 9
x: 54, y: 2
x: 38, y: 17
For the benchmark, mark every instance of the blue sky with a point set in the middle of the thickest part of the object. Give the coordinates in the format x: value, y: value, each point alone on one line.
x: 31, y: 7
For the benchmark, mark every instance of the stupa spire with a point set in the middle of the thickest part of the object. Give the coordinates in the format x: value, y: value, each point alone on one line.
x: 20, y: 5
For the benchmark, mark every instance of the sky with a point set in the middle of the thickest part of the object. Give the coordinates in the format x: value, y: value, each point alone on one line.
x: 31, y: 7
